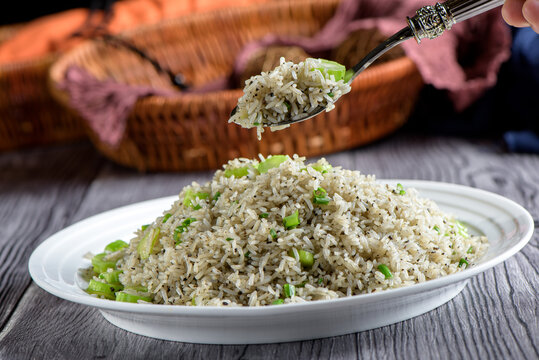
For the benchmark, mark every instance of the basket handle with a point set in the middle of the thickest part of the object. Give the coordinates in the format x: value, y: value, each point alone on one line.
x: 177, y: 80
x: 99, y: 31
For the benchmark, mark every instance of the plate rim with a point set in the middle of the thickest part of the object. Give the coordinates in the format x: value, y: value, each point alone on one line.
x: 34, y: 266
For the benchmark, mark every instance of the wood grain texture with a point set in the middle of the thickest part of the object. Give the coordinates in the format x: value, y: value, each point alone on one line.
x: 39, y: 192
x: 495, y: 317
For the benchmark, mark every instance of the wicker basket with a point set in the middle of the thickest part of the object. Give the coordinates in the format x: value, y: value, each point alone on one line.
x: 29, y: 115
x: 191, y: 132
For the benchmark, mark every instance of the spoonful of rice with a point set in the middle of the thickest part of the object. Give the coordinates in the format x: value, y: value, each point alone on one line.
x: 296, y: 92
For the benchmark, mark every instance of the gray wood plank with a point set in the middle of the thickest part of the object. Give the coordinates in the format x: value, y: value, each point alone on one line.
x: 40, y: 190
x: 495, y: 316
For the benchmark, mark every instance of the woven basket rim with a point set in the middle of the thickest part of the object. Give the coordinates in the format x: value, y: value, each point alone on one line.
x: 399, y: 67
x: 56, y: 72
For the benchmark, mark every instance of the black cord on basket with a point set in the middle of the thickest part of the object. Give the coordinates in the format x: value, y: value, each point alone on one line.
x: 89, y: 30
x: 177, y: 79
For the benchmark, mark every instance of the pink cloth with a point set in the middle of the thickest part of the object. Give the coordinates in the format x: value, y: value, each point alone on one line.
x: 106, y: 104
x: 463, y: 61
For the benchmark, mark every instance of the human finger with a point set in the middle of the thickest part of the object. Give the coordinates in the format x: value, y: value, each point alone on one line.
x: 530, y: 12
x: 512, y: 13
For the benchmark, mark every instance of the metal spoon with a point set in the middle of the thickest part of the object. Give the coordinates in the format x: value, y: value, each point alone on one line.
x: 429, y: 22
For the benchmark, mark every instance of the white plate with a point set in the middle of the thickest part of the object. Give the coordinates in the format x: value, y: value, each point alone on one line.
x: 53, y: 266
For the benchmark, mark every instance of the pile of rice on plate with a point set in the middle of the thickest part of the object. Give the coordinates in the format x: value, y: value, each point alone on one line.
x: 281, y: 231
x: 290, y: 91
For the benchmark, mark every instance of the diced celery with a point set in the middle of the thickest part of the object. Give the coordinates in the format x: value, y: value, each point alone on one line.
x: 291, y: 221
x: 348, y: 75
x: 138, y: 288
x: 385, y: 270
x: 332, y: 68
x: 289, y: 290
x: 116, y: 245
x: 145, y: 246
x: 190, y: 195
x: 271, y: 162
x: 111, y: 277
x: 237, y: 172
x: 100, y: 265
x: 101, y: 289
x: 132, y: 298
x: 306, y: 258
x: 322, y: 168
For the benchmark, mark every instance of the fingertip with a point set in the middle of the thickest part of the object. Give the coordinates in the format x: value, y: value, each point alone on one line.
x: 530, y: 12
x: 512, y: 13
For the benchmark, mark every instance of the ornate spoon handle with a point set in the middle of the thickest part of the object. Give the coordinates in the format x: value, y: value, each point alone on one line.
x: 431, y: 21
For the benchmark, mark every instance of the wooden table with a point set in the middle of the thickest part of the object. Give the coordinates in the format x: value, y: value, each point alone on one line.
x: 44, y: 190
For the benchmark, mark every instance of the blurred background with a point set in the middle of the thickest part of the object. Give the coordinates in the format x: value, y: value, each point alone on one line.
x: 151, y: 82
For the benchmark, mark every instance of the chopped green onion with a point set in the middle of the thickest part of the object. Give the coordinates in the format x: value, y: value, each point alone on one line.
x: 332, y: 68
x: 181, y: 229
x: 194, y: 301
x: 278, y: 302
x: 273, y: 234
x: 289, y: 290
x: 470, y: 250
x: 101, y: 289
x: 145, y: 246
x: 320, y: 196
x: 111, y: 277
x: 464, y: 262
x: 385, y: 270
x: 247, y: 254
x: 166, y: 217
x: 320, y: 281
x: 436, y: 228
x: 216, y: 196
x: 123, y: 296
x: 461, y: 229
x: 302, y: 284
x: 100, y: 265
x: 229, y: 239
x: 291, y: 221
x: 400, y: 189
x: 263, y: 215
x: 321, y: 201
x: 256, y: 123
x: 320, y: 192
x: 144, y: 227
x: 177, y: 234
x: 330, y: 94
x: 271, y: 162
x: 287, y: 104
x: 237, y: 172
x: 116, y: 245
x: 306, y: 258
x: 197, y: 207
